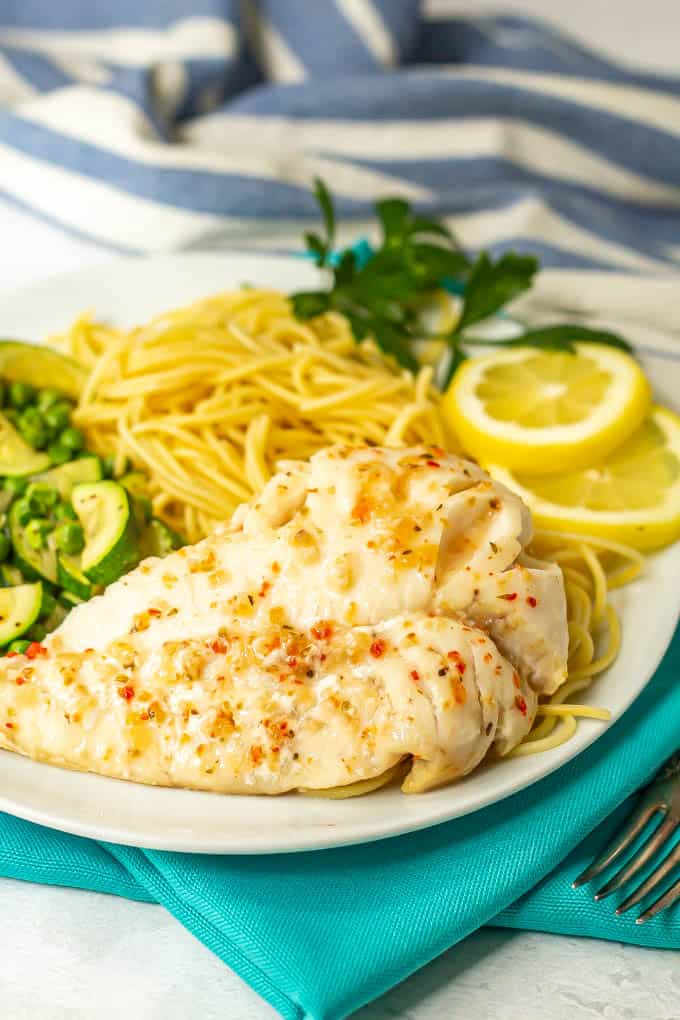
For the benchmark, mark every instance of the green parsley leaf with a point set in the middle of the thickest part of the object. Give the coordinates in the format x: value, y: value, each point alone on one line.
x: 491, y: 285
x: 310, y: 303
x: 326, y: 203
x: 385, y: 297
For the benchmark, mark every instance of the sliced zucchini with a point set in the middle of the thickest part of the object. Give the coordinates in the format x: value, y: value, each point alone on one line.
x: 16, y: 456
x: 158, y: 539
x: 33, y: 563
x: 10, y: 575
x: 19, y: 609
x: 71, y: 577
x: 41, y: 367
x: 111, y: 534
x: 65, y: 477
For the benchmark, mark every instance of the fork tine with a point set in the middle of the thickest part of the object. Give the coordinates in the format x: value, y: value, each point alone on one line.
x: 652, y: 882
x: 667, y: 900
x: 657, y: 840
x: 620, y: 843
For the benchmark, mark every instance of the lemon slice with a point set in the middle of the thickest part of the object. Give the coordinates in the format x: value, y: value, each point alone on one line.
x: 632, y: 497
x: 547, y: 411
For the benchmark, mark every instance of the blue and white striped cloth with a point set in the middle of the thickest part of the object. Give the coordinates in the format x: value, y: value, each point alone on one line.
x: 185, y: 123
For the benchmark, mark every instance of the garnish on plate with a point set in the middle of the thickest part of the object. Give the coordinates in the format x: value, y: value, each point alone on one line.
x: 384, y: 297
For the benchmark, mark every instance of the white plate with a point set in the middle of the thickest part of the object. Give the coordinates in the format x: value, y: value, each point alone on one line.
x: 127, y: 291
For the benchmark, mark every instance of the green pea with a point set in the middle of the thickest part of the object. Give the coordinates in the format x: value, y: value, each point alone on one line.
x: 41, y: 497
x: 59, y: 454
x: 72, y: 439
x: 48, y: 398
x: 19, y: 646
x: 22, y: 509
x: 16, y: 484
x: 69, y: 537
x: 58, y: 416
x: 20, y: 394
x: 64, y: 511
x: 32, y: 427
x: 36, y: 532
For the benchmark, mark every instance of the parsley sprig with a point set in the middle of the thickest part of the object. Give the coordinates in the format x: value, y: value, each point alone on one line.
x: 384, y: 298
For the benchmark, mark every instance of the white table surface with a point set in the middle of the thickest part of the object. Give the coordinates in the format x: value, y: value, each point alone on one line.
x: 72, y: 955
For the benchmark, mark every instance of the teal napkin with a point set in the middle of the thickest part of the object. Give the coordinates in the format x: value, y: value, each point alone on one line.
x: 320, y: 934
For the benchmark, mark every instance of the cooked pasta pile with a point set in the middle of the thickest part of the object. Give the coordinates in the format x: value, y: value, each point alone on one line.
x: 207, y: 399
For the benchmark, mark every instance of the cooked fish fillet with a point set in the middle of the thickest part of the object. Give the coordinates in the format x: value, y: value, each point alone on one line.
x: 370, y: 607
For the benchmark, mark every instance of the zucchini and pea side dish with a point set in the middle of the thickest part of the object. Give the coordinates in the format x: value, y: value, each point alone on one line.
x: 68, y: 526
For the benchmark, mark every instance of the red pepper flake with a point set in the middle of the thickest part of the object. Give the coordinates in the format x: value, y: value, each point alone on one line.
x: 276, y: 568
x: 322, y: 631
x: 126, y: 692
x: 256, y: 754
x: 362, y: 510
x: 35, y: 649
x: 515, y: 679
x: 521, y: 704
x: 10, y: 655
x: 495, y: 504
x: 9, y: 725
x: 20, y: 680
x: 453, y: 654
x: 218, y: 646
x: 531, y: 601
x: 292, y: 661
x: 459, y: 693
x: 461, y: 667
x: 266, y: 585
x: 488, y: 657
x: 510, y: 597
x: 377, y: 648
x: 433, y: 463
x: 155, y: 612
x: 415, y: 675
x: 438, y: 451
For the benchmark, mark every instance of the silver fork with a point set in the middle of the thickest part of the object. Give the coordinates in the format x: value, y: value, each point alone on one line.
x: 661, y: 799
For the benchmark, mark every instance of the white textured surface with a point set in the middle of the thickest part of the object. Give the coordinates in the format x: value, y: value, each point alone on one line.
x: 63, y: 951
x: 68, y: 955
